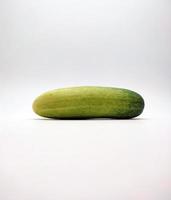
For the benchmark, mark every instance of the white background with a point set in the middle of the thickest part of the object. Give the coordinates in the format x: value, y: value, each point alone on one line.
x: 51, y: 44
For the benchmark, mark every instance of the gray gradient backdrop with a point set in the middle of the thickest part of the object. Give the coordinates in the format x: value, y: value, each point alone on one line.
x: 47, y: 44
x: 50, y: 44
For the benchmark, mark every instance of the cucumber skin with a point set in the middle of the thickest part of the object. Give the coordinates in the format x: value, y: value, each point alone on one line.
x: 89, y: 102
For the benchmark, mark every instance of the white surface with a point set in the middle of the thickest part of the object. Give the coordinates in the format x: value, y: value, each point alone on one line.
x: 85, y: 159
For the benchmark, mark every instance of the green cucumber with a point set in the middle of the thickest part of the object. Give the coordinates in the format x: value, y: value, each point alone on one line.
x: 89, y: 102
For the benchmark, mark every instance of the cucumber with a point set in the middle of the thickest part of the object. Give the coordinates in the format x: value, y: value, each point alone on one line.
x: 89, y: 102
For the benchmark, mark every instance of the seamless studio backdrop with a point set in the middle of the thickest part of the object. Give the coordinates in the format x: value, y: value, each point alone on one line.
x: 48, y: 44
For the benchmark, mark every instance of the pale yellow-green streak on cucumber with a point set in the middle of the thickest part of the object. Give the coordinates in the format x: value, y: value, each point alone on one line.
x: 89, y: 102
